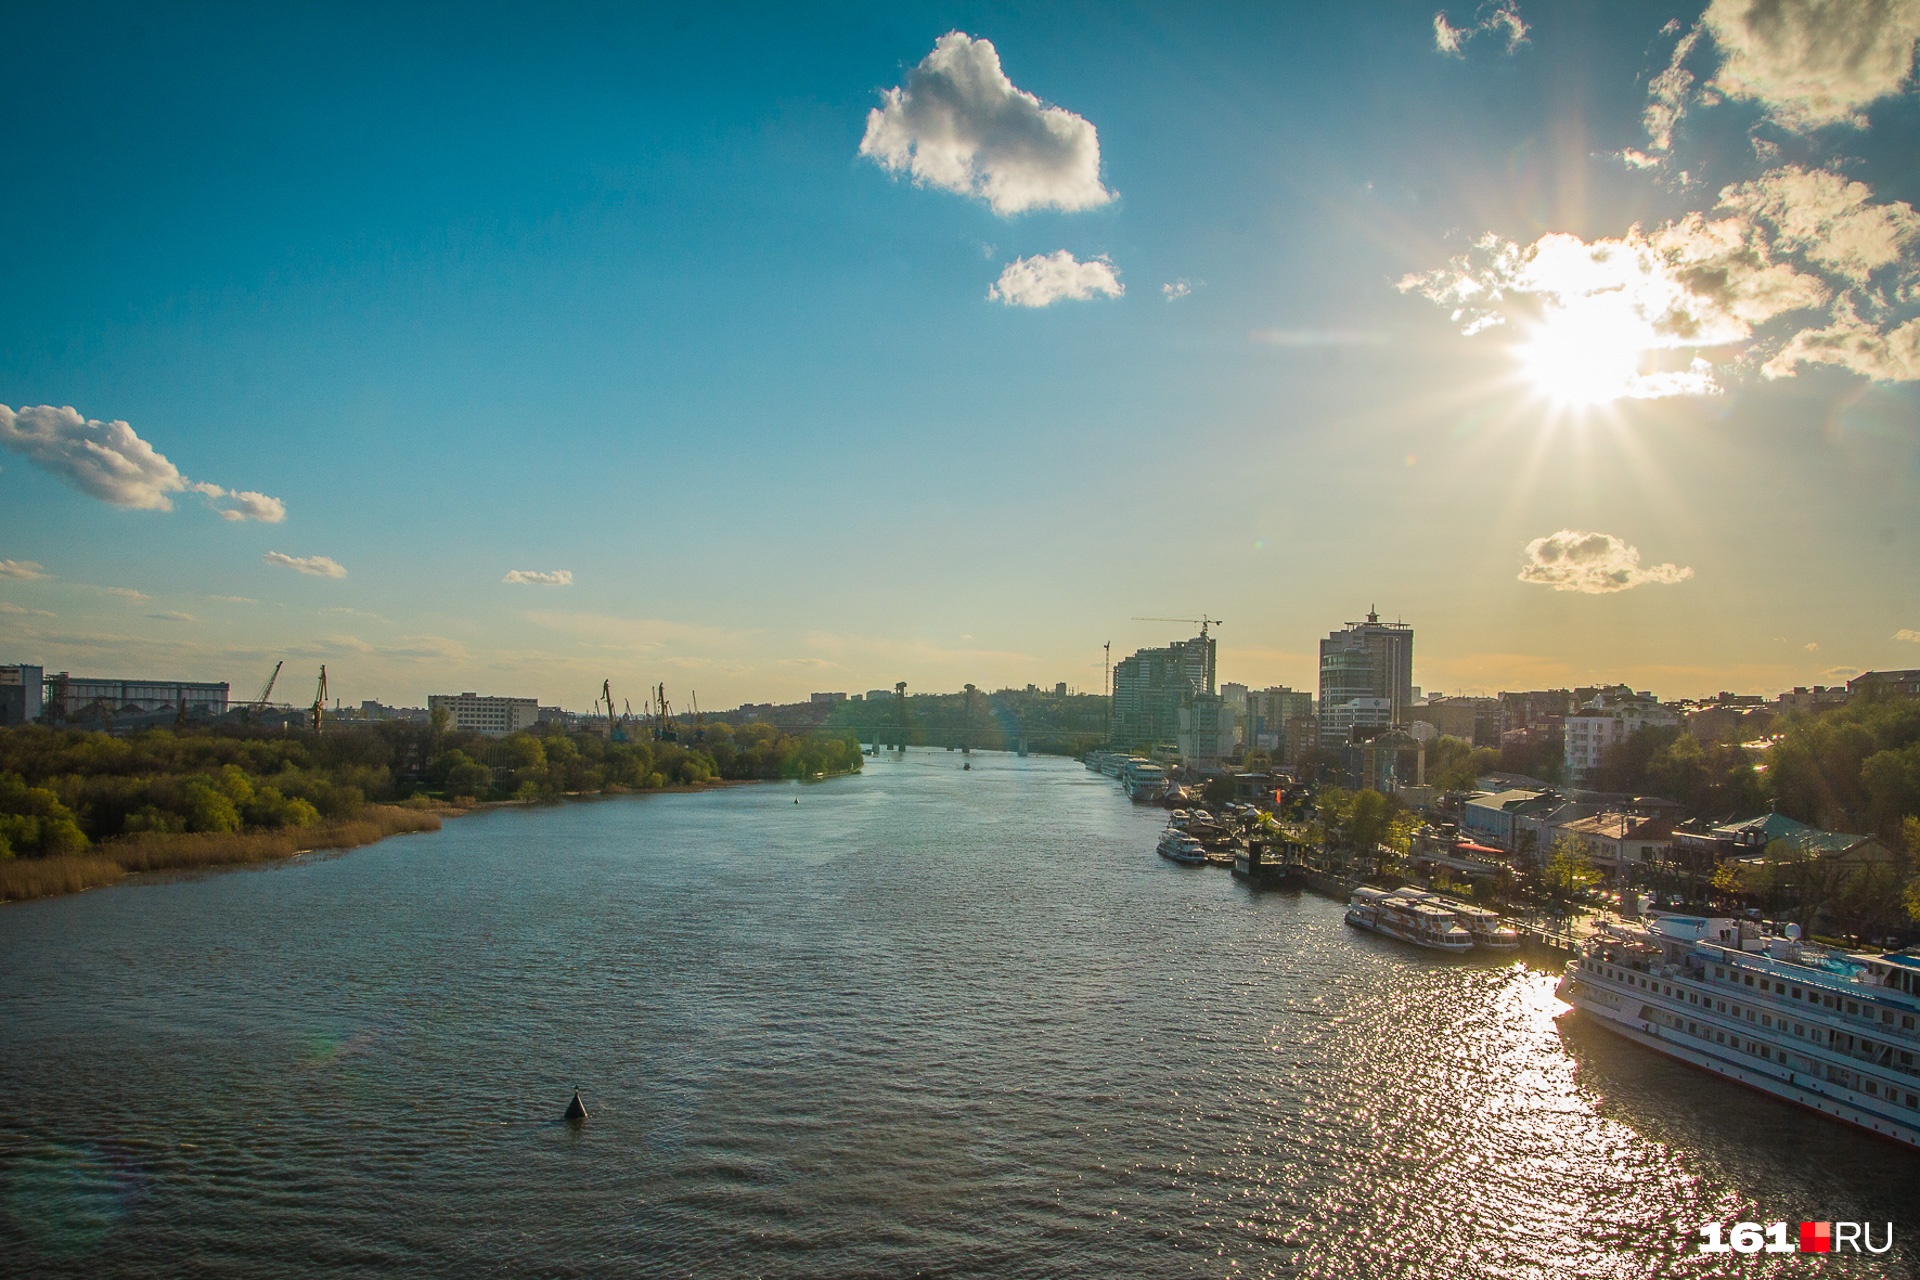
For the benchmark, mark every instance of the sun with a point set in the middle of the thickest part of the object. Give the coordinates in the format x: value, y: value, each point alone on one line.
x: 1584, y: 356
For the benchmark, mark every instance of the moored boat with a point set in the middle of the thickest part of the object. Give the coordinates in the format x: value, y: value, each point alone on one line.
x: 1830, y: 1031
x: 1409, y: 920
x: 1182, y: 848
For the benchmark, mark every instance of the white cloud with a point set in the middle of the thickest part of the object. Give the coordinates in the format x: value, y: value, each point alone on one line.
x: 173, y: 615
x: 21, y: 611
x: 248, y: 505
x: 1828, y: 218
x: 1811, y: 63
x: 1811, y: 646
x: 25, y: 570
x: 1891, y: 355
x: 126, y: 593
x: 318, y: 566
x: 109, y: 461
x: 1908, y: 634
x: 1045, y: 279
x: 962, y: 126
x: 1501, y: 16
x: 1176, y: 289
x: 1592, y: 563
x: 1667, y: 99
x: 540, y: 578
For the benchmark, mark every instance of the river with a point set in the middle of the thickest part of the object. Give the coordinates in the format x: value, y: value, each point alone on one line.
x: 925, y: 1021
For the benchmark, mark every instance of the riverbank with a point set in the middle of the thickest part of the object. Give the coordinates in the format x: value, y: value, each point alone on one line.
x: 112, y: 861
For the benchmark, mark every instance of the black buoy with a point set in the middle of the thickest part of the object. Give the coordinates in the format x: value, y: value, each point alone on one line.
x: 576, y: 1110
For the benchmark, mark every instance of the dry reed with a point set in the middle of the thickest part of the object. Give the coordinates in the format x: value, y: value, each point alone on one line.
x: 110, y: 860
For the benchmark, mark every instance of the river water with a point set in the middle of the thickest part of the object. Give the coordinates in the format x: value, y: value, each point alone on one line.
x: 926, y: 1021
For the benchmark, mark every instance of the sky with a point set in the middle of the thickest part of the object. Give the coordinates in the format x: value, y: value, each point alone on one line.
x: 760, y: 352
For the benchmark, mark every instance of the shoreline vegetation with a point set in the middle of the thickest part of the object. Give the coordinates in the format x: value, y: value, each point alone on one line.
x: 83, y: 809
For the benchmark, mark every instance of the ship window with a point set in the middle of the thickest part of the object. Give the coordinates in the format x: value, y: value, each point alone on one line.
x: 1749, y: 1015
x: 1721, y: 1006
x: 1799, y: 1030
x: 1873, y: 1088
x: 1692, y: 1030
x: 1720, y: 1036
x: 1766, y: 1053
x: 1886, y: 1016
x: 1749, y: 979
x: 1718, y: 972
x: 1853, y: 1008
x: 1913, y: 1100
x: 1906, y: 1023
x: 1796, y: 993
x: 1766, y: 1020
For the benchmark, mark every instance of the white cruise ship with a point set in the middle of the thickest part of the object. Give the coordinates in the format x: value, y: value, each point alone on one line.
x: 1832, y: 1032
x: 1143, y: 779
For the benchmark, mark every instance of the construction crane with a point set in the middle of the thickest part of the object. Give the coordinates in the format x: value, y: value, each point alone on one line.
x: 320, y: 699
x: 667, y: 732
x: 266, y: 690
x: 606, y: 695
x: 1203, y: 622
x: 696, y: 714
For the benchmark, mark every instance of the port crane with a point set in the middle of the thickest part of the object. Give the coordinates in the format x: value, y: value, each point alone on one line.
x: 320, y: 698
x: 1203, y: 622
x: 266, y: 690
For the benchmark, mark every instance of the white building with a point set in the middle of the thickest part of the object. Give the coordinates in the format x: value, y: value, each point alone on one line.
x: 495, y: 717
x: 1612, y: 717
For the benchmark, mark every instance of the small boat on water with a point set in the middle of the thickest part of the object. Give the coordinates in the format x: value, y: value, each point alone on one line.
x: 1397, y: 916
x: 1182, y: 848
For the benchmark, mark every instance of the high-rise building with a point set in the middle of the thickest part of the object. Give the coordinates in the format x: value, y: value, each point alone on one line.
x: 1366, y: 676
x: 1149, y: 687
x: 1268, y: 712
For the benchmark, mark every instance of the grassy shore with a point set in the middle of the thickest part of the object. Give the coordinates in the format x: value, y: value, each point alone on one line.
x: 113, y: 860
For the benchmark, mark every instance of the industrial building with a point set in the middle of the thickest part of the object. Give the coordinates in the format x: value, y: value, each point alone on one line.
x: 70, y: 698
x: 20, y: 694
x: 495, y: 717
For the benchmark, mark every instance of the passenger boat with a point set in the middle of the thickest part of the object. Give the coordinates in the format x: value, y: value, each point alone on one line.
x: 1398, y: 916
x: 1182, y: 848
x: 1490, y: 932
x: 1144, y: 780
x: 1834, y: 1032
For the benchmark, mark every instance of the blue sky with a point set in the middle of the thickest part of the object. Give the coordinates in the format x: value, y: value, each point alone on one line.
x: 615, y: 293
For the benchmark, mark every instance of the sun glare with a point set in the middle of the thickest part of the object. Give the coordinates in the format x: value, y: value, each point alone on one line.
x: 1578, y: 358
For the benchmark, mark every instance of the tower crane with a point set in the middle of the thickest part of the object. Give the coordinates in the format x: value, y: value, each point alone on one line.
x: 606, y: 695
x: 1203, y: 622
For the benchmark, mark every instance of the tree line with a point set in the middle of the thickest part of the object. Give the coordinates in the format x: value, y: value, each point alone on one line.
x: 64, y: 789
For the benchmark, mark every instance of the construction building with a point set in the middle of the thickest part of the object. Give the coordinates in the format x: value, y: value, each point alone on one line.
x: 1150, y: 686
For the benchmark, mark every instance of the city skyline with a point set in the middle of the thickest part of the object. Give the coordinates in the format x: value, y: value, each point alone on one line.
x: 945, y: 343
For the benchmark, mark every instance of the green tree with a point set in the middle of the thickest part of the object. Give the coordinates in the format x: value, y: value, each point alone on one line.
x: 1569, y: 872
